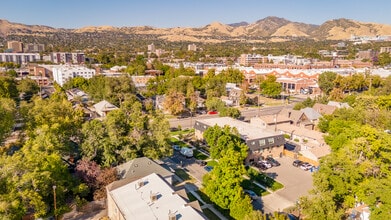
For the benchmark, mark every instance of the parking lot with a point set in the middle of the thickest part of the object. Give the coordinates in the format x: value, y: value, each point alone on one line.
x: 297, y: 183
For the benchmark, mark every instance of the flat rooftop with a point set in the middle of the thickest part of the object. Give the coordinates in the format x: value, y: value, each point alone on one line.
x: 246, y: 130
x: 134, y: 201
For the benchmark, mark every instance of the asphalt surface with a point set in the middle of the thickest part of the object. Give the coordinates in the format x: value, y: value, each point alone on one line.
x: 246, y: 114
x: 296, y: 181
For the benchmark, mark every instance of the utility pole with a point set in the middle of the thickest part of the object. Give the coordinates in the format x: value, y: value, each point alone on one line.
x: 55, y: 203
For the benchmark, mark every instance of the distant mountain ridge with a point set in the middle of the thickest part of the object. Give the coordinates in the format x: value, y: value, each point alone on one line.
x: 269, y: 27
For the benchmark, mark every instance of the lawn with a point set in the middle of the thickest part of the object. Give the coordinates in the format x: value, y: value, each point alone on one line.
x: 247, y: 184
x: 264, y: 180
x: 212, y: 163
x: 182, y: 132
x: 210, y: 214
x: 183, y: 175
x: 198, y: 155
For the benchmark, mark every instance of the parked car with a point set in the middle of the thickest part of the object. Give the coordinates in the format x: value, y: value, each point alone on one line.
x: 201, y: 162
x: 305, y: 166
x: 176, y: 147
x: 260, y: 166
x: 297, y: 163
x: 187, y: 152
x: 265, y: 163
x: 251, y: 193
x: 273, y: 161
x: 208, y: 168
x: 212, y: 112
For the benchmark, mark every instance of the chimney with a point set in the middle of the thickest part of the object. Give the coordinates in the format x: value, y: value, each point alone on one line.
x: 289, y: 114
x: 153, y: 196
x: 171, y: 215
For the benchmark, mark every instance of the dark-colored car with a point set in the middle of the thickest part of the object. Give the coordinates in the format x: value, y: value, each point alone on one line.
x: 273, y: 161
x: 261, y: 166
x: 201, y: 162
x: 208, y: 168
x: 297, y: 163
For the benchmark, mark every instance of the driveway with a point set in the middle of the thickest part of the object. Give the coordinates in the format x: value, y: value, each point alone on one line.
x: 297, y: 183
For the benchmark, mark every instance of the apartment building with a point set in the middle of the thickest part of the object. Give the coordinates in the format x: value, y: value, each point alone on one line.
x: 385, y: 49
x: 251, y: 59
x: 62, y: 73
x: 19, y: 58
x: 65, y: 57
x: 33, y: 48
x: 262, y: 142
x: 15, y: 46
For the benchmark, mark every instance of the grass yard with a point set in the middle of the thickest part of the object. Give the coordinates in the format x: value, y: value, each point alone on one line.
x: 183, y: 175
x: 247, y: 184
x: 198, y: 155
x: 210, y: 214
x: 264, y: 180
x: 212, y: 163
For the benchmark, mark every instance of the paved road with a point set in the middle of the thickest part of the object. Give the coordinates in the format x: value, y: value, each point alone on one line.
x: 252, y: 112
x: 246, y: 113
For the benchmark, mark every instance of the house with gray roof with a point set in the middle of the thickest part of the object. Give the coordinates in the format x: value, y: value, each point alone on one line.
x: 311, y: 114
x: 262, y: 142
x: 142, y: 166
x: 339, y: 104
x: 324, y: 109
x: 102, y: 108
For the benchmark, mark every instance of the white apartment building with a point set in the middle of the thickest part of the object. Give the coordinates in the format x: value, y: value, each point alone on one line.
x: 19, y: 58
x: 62, y: 73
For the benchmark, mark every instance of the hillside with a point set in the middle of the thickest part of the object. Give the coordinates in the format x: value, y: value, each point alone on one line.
x: 272, y: 28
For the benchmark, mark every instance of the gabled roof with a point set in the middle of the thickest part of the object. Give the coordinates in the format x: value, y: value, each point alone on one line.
x: 339, y: 104
x: 294, y: 115
x: 104, y: 106
x: 271, y: 119
x: 324, y: 109
x: 311, y: 113
x: 140, y: 167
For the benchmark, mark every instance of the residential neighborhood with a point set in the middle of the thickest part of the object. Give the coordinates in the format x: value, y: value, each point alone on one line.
x: 262, y: 120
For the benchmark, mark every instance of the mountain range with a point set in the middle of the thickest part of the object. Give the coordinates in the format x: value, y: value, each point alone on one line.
x: 272, y: 28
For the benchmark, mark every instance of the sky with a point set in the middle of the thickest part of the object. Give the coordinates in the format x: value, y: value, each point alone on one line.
x: 187, y: 13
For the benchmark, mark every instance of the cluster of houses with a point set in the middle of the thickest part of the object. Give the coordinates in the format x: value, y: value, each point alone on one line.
x: 289, y: 132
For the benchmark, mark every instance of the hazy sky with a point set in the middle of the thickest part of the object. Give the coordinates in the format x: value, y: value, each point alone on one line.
x: 187, y: 13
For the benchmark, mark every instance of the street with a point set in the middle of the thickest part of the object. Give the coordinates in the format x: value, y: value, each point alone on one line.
x: 246, y: 114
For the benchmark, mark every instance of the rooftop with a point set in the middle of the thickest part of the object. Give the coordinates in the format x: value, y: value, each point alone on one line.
x: 153, y: 199
x: 140, y: 167
x: 246, y: 130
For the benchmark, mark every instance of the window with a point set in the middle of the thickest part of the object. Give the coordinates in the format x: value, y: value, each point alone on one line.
x: 262, y: 142
x: 270, y: 140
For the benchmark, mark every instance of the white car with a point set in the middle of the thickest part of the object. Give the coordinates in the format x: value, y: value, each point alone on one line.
x: 265, y: 163
x: 305, y: 166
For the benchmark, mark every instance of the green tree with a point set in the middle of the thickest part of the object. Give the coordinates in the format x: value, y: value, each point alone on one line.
x: 7, y: 116
x: 28, y: 88
x: 215, y: 104
x: 94, y: 140
x: 270, y: 87
x: 384, y: 59
x: 8, y: 88
x: 174, y: 102
x: 326, y: 81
